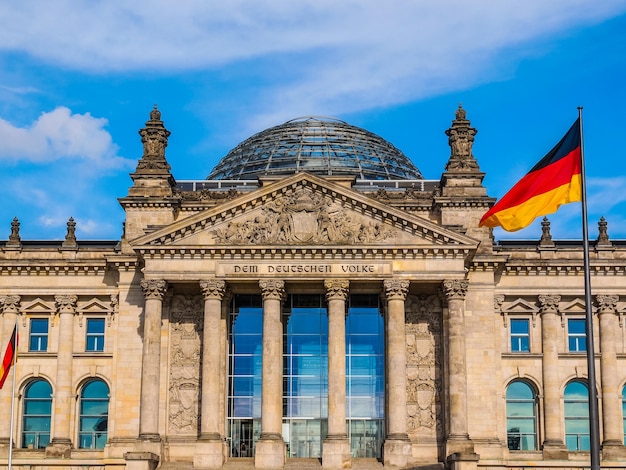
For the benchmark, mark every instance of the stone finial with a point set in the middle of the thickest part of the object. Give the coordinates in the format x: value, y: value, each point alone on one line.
x: 70, y: 237
x: 154, y: 138
x: 14, y: 239
x: 461, y: 139
x: 603, y: 235
x: 546, y: 237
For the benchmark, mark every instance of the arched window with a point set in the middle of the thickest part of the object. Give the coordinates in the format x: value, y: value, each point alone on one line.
x: 577, y: 416
x: 94, y: 415
x: 521, y: 416
x: 36, y: 415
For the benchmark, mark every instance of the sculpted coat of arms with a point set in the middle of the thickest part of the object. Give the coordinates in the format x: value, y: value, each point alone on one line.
x: 303, y: 217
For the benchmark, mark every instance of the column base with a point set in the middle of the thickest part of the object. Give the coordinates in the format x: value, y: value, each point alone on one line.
x: 336, y: 452
x: 555, y: 450
x: 141, y: 460
x: 209, y: 453
x: 59, y: 449
x: 270, y: 452
x: 613, y: 450
x: 459, y: 444
x: 463, y: 461
x: 397, y: 451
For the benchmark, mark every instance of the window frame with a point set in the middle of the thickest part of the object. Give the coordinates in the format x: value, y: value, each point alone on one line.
x: 27, y: 403
x: 576, y: 339
x: 534, y: 417
x: 518, y: 337
x: 41, y: 337
x: 95, y: 336
x: 95, y: 443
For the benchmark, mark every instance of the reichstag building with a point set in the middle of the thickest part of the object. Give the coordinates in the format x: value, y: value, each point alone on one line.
x: 314, y: 302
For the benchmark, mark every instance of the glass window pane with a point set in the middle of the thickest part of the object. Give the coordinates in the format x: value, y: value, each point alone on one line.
x: 519, y: 326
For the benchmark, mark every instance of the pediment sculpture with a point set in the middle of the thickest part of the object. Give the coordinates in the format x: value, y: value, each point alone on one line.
x: 303, y: 216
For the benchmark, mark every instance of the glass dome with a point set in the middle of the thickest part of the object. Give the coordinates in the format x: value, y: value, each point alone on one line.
x: 318, y: 145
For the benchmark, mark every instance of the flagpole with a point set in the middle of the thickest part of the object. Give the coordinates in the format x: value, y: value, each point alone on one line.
x: 12, y: 426
x: 594, y: 418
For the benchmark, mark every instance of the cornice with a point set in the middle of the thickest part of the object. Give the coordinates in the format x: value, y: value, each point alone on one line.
x: 560, y: 268
x: 55, y: 267
x: 272, y: 252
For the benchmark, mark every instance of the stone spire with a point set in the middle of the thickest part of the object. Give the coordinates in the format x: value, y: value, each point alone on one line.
x: 603, y: 234
x: 14, y: 239
x: 461, y: 139
x: 546, y: 236
x: 70, y: 237
x: 152, y: 176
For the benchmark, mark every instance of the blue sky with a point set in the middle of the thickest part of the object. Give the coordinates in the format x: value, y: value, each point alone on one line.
x: 79, y: 78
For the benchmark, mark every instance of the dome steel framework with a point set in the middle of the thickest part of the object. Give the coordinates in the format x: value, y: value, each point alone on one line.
x: 319, y: 145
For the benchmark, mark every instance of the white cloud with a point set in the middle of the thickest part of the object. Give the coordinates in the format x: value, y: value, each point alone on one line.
x: 330, y: 55
x: 60, y: 134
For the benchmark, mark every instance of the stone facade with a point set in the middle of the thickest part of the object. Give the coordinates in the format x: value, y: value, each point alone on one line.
x: 452, y: 300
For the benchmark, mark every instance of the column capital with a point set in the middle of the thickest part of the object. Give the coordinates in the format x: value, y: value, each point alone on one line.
x: 10, y: 303
x: 66, y: 303
x: 396, y: 289
x: 455, y: 289
x: 154, y: 288
x: 549, y: 303
x: 336, y: 289
x: 607, y: 303
x: 272, y: 289
x: 213, y: 289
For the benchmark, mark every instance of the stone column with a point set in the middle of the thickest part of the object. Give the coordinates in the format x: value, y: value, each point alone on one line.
x: 210, y: 448
x: 153, y: 291
x: 336, y: 447
x: 10, y: 307
x: 458, y: 442
x: 270, y: 449
x: 397, y: 446
x: 612, y: 445
x: 61, y: 443
x: 553, y: 446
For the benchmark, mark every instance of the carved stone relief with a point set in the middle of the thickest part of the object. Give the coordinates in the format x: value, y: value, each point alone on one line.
x: 424, y: 366
x: 303, y: 216
x: 186, y: 324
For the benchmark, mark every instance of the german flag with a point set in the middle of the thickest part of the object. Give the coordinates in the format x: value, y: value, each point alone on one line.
x: 554, y: 180
x: 9, y: 358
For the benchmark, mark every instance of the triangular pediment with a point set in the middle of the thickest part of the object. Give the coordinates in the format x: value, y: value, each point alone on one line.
x: 303, y: 211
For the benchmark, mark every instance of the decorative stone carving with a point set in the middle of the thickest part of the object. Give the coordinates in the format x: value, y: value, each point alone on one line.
x: 303, y: 217
x: 185, y: 359
x: 272, y: 289
x: 154, y: 288
x: 10, y: 304
x: 66, y: 303
x: 115, y: 306
x: 336, y: 288
x: 546, y: 237
x: 14, y: 238
x: 607, y: 303
x: 549, y: 303
x: 603, y: 235
x: 461, y: 140
x: 424, y: 365
x: 396, y: 289
x: 213, y: 289
x: 455, y: 289
x: 154, y: 138
x: 70, y: 237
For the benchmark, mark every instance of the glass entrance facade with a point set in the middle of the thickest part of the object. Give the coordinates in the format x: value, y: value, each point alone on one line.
x: 305, y: 375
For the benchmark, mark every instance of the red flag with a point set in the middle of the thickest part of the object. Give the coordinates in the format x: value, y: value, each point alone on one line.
x: 10, y: 356
x: 554, y: 180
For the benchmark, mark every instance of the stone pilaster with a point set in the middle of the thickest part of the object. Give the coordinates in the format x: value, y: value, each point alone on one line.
x: 61, y: 442
x: 397, y: 446
x: 154, y: 291
x: 210, y: 449
x: 612, y: 445
x: 553, y: 446
x: 10, y: 308
x: 458, y: 441
x: 270, y: 448
x: 336, y: 447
